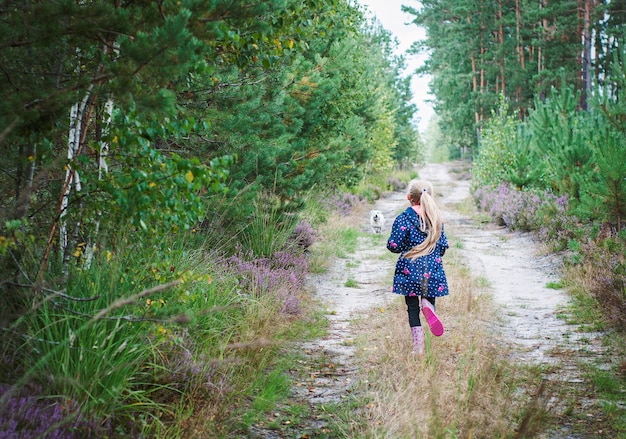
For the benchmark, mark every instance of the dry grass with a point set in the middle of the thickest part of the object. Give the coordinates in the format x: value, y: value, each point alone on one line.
x: 324, y: 252
x: 459, y: 389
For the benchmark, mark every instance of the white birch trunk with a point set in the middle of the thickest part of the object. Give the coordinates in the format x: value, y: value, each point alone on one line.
x: 103, y: 168
x: 72, y: 178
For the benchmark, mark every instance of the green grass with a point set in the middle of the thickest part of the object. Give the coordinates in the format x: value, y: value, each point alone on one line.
x: 482, y: 282
x: 270, y: 388
x: 609, y: 386
x: 555, y: 285
x: 377, y: 239
x: 351, y: 283
x: 468, y: 208
x: 584, y: 310
x: 347, y: 240
x: 165, y: 354
x: 270, y: 227
x: 352, y: 264
x: 113, y: 364
x: 604, y: 385
x: 340, y: 241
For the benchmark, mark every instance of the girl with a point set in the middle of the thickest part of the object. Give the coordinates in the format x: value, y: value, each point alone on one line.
x: 417, y: 234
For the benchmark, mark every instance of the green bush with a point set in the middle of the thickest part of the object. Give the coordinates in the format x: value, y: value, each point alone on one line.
x: 506, y: 154
x: 604, y: 271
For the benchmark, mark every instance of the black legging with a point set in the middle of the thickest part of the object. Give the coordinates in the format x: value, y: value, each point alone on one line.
x: 413, y: 308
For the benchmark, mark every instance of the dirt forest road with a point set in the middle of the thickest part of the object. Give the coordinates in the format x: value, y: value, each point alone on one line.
x: 515, y: 274
x: 518, y: 275
x: 530, y: 327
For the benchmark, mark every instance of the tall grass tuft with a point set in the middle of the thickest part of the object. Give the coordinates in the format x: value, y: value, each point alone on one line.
x: 601, y: 277
x: 90, y: 345
x: 270, y: 227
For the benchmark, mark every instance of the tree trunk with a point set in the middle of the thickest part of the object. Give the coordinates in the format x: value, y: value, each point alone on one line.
x: 521, y: 59
x: 546, y: 31
x: 474, y: 74
x: 518, y: 25
x: 103, y: 168
x: 72, y: 177
x: 502, y: 51
x: 586, y: 55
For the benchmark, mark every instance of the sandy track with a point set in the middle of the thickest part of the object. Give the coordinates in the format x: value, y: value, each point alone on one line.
x: 528, y: 326
x: 517, y: 276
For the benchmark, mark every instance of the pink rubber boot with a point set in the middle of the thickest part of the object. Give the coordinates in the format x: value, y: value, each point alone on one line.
x: 418, y: 339
x: 436, y: 327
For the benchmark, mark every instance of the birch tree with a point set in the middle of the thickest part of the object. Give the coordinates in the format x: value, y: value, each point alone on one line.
x: 285, y: 87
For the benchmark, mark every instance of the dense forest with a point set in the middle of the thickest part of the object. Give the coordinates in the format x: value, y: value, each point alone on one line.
x: 532, y: 93
x: 157, y: 160
x: 141, y: 112
x: 164, y: 166
x: 521, y: 50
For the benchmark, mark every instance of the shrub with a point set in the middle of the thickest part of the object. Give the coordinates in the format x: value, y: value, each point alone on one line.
x: 531, y: 211
x: 303, y: 236
x: 343, y: 203
x: 283, y: 275
x: 25, y: 415
x: 557, y: 225
x: 510, y: 207
x: 495, y: 155
x: 604, y: 270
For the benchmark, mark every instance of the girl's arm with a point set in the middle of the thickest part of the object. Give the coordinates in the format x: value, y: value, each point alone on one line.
x: 443, y: 242
x: 399, y: 233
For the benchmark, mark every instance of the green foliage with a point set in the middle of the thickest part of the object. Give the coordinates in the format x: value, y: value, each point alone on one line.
x: 100, y: 362
x: 90, y: 363
x: 155, y: 190
x: 506, y: 153
x: 603, y: 194
x: 561, y: 137
x: 269, y: 389
x: 480, y: 50
x: 436, y: 150
x: 496, y: 152
x: 309, y: 96
x: 226, y: 116
x: 351, y: 283
x: 112, y: 350
x: 526, y: 170
x: 555, y: 285
x: 346, y: 242
x: 572, y: 153
x: 270, y: 227
x: 13, y: 235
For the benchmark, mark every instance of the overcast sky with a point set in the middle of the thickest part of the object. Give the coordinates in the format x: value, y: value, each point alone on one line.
x: 390, y: 15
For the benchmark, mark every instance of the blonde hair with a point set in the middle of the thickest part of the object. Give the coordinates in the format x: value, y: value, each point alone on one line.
x: 420, y: 192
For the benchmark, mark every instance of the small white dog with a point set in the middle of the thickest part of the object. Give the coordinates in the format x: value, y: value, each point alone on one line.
x: 377, y: 221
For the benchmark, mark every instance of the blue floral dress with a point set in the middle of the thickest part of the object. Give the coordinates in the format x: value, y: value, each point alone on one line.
x: 425, y: 275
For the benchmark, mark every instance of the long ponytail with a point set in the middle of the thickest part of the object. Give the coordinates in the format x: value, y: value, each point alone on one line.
x: 421, y: 192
